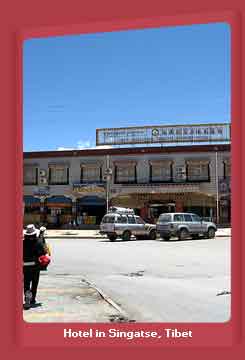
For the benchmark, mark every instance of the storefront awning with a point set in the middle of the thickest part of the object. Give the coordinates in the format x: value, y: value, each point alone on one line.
x: 31, y: 200
x: 58, y: 201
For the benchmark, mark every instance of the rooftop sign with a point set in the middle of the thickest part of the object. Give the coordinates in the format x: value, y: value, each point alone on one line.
x: 164, y: 134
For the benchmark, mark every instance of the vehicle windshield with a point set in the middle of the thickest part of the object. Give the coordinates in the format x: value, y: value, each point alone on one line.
x: 164, y: 218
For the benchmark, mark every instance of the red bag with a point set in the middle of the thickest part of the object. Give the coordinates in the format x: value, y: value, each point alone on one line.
x: 44, y: 260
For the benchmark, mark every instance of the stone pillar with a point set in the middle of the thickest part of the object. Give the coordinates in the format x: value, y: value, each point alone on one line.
x: 179, y: 206
x: 179, y: 203
x: 144, y: 212
x: 42, y: 212
x: 74, y: 209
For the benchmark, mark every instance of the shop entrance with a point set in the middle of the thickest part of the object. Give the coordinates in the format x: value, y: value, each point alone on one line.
x: 58, y: 211
x: 90, y: 211
x: 156, y: 209
x: 225, y: 211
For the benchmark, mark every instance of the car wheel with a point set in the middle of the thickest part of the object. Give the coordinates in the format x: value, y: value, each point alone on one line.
x: 112, y: 237
x: 153, y: 235
x: 183, y: 234
x: 211, y: 233
x: 126, y: 235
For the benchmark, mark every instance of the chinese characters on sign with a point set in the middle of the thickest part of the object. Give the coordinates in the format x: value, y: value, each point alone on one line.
x: 163, y: 134
x: 86, y: 188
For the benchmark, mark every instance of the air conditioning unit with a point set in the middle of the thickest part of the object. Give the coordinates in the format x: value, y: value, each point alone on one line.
x: 42, y: 172
x: 106, y: 177
x: 43, y: 181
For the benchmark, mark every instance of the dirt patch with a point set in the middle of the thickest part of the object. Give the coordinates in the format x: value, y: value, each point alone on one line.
x: 135, y: 274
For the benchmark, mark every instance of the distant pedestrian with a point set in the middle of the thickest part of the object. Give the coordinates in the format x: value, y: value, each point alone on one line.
x: 33, y: 248
x: 42, y: 233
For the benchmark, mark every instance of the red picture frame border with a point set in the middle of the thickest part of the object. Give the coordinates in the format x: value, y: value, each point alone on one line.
x: 26, y: 22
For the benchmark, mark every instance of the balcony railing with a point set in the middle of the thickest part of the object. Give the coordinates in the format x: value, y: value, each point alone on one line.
x: 155, y: 188
x: 157, y: 184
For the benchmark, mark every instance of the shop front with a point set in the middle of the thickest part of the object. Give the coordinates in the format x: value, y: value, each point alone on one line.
x: 225, y: 201
x: 57, y: 211
x: 225, y: 210
x: 90, y: 210
x: 150, y: 206
x: 31, y: 210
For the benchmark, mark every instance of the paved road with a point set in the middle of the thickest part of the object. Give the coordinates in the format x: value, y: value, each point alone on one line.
x: 153, y: 281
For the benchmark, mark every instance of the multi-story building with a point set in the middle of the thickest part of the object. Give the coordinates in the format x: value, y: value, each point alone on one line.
x: 64, y: 187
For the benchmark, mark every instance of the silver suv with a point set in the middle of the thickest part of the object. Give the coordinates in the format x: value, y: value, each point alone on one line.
x: 125, y: 225
x: 184, y: 225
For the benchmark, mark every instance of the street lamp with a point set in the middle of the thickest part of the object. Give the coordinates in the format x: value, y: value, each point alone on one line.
x: 107, y: 176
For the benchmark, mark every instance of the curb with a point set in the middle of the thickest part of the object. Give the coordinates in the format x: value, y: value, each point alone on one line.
x: 99, y: 237
x: 106, y: 298
x: 73, y: 237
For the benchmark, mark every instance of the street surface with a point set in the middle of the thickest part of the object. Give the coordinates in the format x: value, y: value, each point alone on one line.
x: 152, y: 281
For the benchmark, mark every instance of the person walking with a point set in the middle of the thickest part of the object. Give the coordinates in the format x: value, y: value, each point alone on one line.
x: 33, y: 248
x: 42, y: 231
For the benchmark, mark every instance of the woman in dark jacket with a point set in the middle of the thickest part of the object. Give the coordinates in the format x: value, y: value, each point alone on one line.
x: 33, y: 248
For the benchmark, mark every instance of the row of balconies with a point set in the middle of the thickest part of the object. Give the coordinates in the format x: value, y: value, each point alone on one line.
x: 181, y: 174
x: 126, y: 183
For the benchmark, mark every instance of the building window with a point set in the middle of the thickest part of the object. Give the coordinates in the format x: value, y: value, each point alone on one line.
x: 58, y: 175
x: 91, y: 174
x: 227, y: 169
x: 161, y: 172
x: 125, y: 174
x: 30, y: 175
x: 198, y: 171
x: 180, y: 174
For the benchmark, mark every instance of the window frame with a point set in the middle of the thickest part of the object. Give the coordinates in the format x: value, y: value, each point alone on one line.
x: 190, y: 220
x: 182, y: 220
x: 188, y: 179
x: 93, y: 181
x: 36, y: 176
x: 67, y: 182
x: 165, y: 222
x: 139, y: 220
x: 131, y: 217
x: 116, y: 181
x: 122, y: 217
x: 152, y: 181
x: 194, y: 215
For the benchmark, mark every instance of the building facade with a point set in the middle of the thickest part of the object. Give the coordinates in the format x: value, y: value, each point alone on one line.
x: 71, y: 187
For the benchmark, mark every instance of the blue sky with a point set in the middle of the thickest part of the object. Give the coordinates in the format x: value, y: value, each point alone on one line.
x: 75, y: 84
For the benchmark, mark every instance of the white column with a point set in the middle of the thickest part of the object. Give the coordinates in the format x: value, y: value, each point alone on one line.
x: 217, y: 186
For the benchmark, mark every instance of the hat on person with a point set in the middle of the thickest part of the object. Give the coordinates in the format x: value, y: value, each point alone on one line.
x: 42, y: 228
x: 31, y: 230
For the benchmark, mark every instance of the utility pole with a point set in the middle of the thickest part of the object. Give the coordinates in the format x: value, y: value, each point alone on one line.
x: 108, y: 175
x: 217, y: 186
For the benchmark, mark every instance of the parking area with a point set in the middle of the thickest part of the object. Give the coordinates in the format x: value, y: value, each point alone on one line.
x: 151, y: 280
